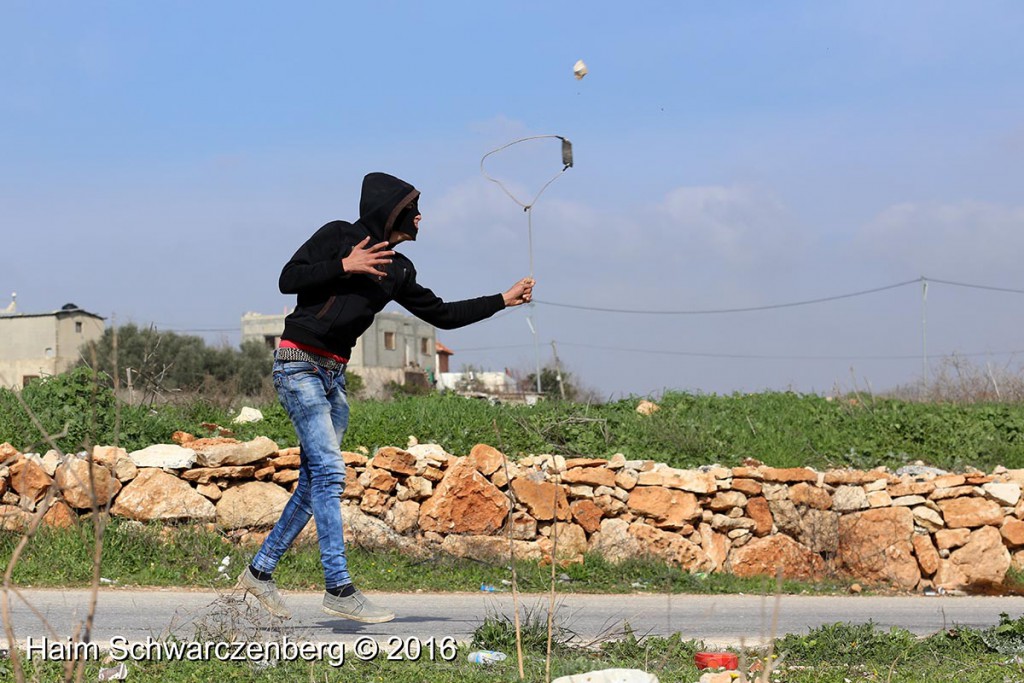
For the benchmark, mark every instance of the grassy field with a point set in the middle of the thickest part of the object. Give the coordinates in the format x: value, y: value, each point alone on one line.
x: 780, y: 429
x: 136, y: 555
x: 837, y: 653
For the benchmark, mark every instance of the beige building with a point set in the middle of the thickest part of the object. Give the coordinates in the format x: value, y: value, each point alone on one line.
x: 36, y: 345
x: 396, y: 348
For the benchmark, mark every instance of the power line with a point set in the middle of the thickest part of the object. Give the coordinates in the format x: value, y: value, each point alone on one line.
x: 742, y: 356
x: 791, y: 304
x: 746, y: 309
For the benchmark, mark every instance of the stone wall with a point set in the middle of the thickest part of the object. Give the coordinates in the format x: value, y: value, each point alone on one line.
x: 915, y: 529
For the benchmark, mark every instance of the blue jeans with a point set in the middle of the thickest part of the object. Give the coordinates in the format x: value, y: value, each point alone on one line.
x: 315, y: 400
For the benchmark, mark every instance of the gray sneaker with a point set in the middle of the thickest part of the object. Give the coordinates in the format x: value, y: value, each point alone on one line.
x: 357, y: 607
x: 265, y: 592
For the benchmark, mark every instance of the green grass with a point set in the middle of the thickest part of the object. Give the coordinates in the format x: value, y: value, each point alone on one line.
x: 780, y: 428
x: 154, y: 555
x: 836, y: 653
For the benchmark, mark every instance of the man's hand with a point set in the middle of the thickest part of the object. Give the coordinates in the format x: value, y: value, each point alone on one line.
x: 365, y: 260
x: 520, y: 293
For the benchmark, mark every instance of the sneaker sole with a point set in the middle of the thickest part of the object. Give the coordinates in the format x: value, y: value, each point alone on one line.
x: 354, y: 617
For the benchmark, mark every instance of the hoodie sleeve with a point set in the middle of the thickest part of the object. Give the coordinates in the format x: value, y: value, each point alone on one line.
x: 429, y: 307
x: 316, y: 262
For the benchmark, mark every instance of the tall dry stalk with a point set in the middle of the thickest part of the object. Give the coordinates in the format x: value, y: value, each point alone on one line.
x: 74, y: 669
x: 512, y: 553
x: 554, y: 565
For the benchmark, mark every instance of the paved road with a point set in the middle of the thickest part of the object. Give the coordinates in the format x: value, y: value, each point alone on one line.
x: 207, y: 615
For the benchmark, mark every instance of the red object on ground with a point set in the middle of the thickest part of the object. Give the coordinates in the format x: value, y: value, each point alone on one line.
x: 713, y: 660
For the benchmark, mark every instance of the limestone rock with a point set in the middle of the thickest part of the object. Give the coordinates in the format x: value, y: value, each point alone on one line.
x: 394, y: 460
x: 693, y: 481
x: 167, y: 456
x: 1004, y: 494
x: 671, y: 547
x: 982, y: 561
x: 789, y: 475
x: 539, y: 498
x: 285, y: 477
x: 849, y: 499
x: 668, y: 507
x: 76, y: 487
x: 157, y: 495
x: 368, y: 532
x: 486, y: 459
x: 524, y: 527
x: 293, y: 460
x: 376, y: 502
x: 354, y: 459
x: 726, y: 500
x: 60, y: 516
x: 203, y: 475
x: 763, y: 556
x: 816, y: 529
x: 1012, y: 531
x: 254, y: 504
x: 223, y: 454
x: 377, y: 478
x: 879, y: 499
x: 715, y: 546
x: 211, y: 491
x: 570, y: 463
x: 928, y: 518
x: 614, y: 542
x: 353, y: 489
x: 953, y: 492
x: 747, y: 486
x: 30, y: 480
x: 405, y: 516
x: 588, y: 515
x: 13, y: 518
x: 51, y: 461
x: 946, y: 539
x: 876, y: 545
x: 465, y: 502
x: 758, y: 509
x: 490, y: 549
x: 589, y: 476
x: 853, y: 477
x: 971, y: 512
x: 811, y: 496
x: 418, y: 488
x: 572, y: 543
x: 927, y: 555
x: 911, y: 488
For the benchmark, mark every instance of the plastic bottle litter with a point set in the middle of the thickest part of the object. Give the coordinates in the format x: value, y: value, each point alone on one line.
x: 114, y: 673
x: 486, y: 657
x: 487, y: 588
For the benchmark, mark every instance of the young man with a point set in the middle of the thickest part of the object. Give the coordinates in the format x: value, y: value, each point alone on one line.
x: 344, y: 275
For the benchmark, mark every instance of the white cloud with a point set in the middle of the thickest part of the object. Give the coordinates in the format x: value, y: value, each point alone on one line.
x: 961, y: 239
x: 744, y: 227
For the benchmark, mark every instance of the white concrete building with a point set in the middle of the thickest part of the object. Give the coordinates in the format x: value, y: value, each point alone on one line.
x: 34, y: 345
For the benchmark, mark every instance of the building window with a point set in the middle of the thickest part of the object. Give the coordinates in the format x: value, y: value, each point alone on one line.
x: 425, y: 346
x: 271, y: 341
x: 389, y: 341
x: 26, y: 379
x: 78, y: 327
x: 49, y: 352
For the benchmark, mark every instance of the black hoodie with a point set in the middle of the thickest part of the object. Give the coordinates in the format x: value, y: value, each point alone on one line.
x: 334, y: 307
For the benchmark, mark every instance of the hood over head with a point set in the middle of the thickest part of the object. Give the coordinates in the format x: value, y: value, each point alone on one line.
x: 387, y: 204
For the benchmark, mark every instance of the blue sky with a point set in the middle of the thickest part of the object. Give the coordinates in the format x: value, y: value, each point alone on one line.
x: 161, y: 161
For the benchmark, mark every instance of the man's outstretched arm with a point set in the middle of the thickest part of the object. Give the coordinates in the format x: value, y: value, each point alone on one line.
x: 427, y: 306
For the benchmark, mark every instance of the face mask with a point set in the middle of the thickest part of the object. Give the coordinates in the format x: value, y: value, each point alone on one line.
x: 405, y: 221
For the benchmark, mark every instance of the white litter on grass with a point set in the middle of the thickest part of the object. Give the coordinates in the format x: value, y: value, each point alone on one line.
x: 114, y: 673
x: 248, y: 414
